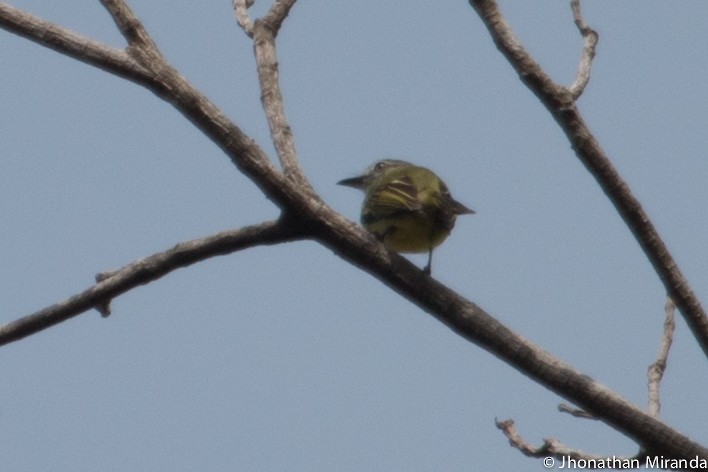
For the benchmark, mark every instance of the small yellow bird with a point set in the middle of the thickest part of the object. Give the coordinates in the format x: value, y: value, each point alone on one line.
x: 407, y: 207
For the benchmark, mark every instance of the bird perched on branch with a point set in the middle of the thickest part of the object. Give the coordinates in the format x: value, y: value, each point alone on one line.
x: 407, y: 207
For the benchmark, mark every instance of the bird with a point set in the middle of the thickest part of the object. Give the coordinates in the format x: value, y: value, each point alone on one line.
x: 407, y: 207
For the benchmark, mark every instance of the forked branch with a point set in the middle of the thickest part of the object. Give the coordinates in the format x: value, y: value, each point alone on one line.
x: 553, y: 450
x: 560, y: 102
x: 130, y: 25
x: 656, y: 370
x: 65, y: 41
x: 557, y: 450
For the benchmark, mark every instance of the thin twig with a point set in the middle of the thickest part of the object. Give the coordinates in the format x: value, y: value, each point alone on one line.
x: 516, y: 440
x: 555, y: 449
x: 590, y: 38
x: 576, y: 412
x: 147, y: 270
x: 656, y: 370
x: 242, y: 17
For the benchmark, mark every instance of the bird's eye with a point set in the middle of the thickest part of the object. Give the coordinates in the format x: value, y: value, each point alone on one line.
x: 380, y: 166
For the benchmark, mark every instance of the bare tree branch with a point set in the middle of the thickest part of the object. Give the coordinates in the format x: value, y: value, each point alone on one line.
x: 147, y: 270
x: 474, y: 324
x: 656, y: 370
x: 265, y: 31
x: 156, y: 75
x: 308, y: 216
x: 242, y: 17
x: 72, y: 44
x: 590, y: 42
x: 560, y: 103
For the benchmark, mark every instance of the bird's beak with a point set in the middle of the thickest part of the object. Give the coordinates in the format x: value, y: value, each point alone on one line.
x: 459, y: 209
x: 355, y: 182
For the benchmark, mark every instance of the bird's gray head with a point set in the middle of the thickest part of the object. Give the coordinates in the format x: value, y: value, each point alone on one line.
x: 374, y: 170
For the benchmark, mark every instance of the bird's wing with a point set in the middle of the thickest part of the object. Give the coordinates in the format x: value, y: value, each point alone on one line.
x: 396, y: 196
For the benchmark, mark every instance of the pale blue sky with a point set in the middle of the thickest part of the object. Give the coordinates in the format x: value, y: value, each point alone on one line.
x: 288, y: 358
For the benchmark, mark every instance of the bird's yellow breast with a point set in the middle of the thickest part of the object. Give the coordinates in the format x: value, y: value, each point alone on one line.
x: 409, y: 232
